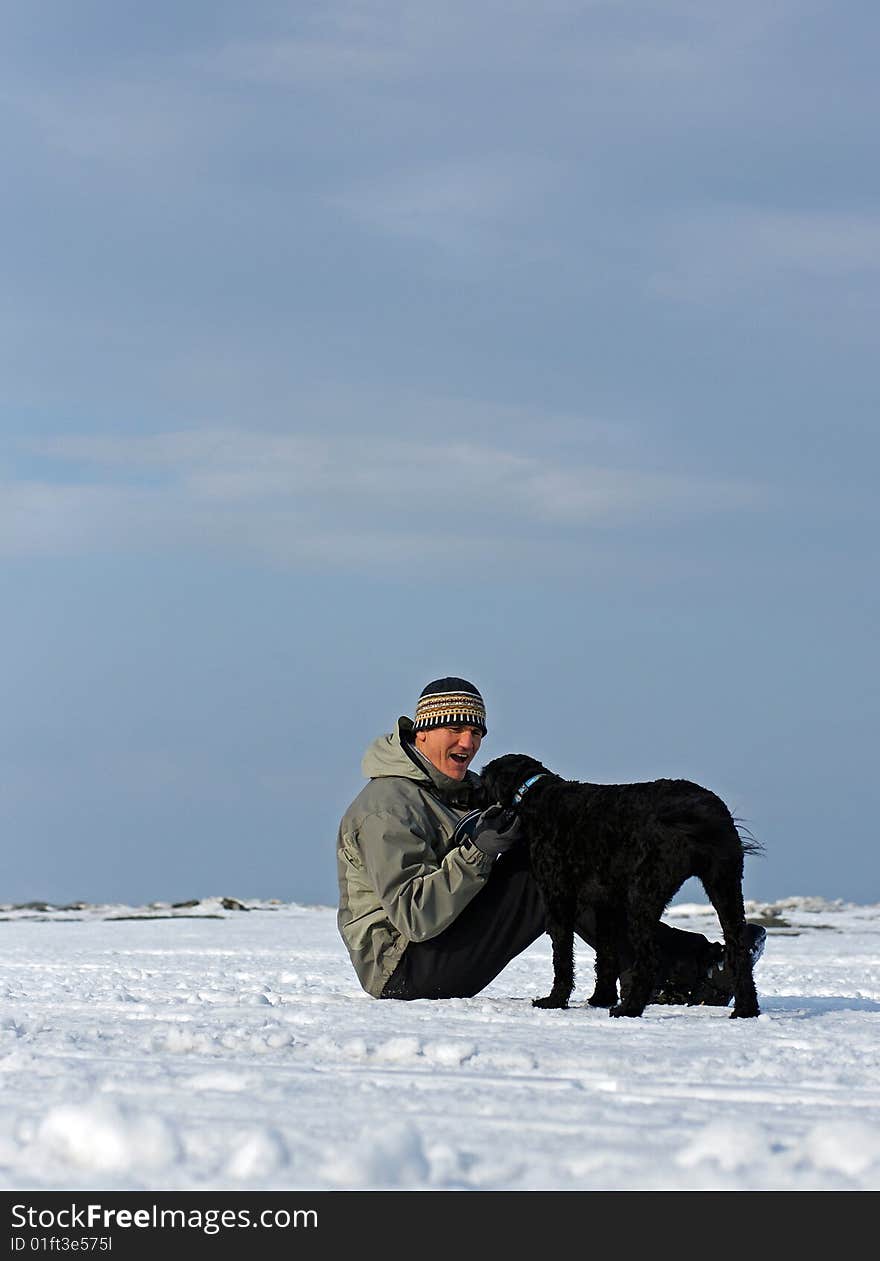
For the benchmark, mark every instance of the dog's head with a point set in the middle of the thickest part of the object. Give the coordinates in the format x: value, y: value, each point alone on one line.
x: 504, y: 776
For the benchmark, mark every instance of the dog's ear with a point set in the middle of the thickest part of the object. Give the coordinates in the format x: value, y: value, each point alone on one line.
x: 503, y: 775
x: 480, y: 796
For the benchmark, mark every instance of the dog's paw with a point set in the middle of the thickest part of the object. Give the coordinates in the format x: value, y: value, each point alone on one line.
x: 550, y: 1001
x: 621, y: 1009
x: 745, y: 1012
x: 600, y: 999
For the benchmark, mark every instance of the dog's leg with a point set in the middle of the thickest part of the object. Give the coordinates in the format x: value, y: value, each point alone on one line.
x: 645, y: 904
x: 607, y: 962
x: 636, y: 982
x: 560, y: 926
x: 723, y: 885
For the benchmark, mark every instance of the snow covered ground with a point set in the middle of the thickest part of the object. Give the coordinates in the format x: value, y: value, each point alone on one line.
x: 207, y: 1047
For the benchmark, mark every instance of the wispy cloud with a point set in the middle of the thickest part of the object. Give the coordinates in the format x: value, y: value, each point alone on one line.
x: 396, y: 39
x: 338, y: 500
x: 724, y: 253
x: 453, y: 204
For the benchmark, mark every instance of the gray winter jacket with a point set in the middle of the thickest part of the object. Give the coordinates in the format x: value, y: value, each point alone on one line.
x: 401, y: 878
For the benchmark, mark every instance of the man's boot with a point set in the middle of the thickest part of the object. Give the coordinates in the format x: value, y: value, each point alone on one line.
x: 707, y: 980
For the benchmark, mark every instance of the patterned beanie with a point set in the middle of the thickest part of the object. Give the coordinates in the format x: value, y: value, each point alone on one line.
x: 448, y: 702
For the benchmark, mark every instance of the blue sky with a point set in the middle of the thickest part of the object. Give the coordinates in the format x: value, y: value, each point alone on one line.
x: 346, y: 345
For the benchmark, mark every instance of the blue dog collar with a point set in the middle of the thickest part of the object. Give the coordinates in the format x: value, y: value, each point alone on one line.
x: 523, y: 788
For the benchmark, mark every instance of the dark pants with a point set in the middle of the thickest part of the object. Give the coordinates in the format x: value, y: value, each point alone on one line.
x: 499, y: 924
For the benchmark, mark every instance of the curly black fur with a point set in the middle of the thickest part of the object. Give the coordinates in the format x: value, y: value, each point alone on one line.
x: 625, y: 850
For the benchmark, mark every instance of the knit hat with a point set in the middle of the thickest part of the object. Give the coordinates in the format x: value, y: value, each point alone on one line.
x: 448, y: 702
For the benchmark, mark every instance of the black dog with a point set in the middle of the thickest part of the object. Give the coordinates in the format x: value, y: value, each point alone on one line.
x: 625, y: 850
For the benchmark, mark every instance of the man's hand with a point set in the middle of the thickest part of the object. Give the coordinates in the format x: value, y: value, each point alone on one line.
x: 496, y: 830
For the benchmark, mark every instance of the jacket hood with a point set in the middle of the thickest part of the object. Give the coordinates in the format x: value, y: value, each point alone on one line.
x: 394, y: 754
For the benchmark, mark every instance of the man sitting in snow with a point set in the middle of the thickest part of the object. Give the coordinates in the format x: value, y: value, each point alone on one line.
x: 436, y: 896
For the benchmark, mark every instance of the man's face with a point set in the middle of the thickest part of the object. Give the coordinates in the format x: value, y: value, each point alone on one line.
x: 450, y: 749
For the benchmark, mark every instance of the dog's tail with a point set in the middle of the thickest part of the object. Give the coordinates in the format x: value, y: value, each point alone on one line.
x: 748, y: 840
x: 698, y: 811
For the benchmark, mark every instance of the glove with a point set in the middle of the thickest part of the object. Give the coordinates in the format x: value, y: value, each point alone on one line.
x: 496, y: 830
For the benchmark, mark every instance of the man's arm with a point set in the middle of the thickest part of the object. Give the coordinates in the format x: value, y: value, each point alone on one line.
x: 420, y: 896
